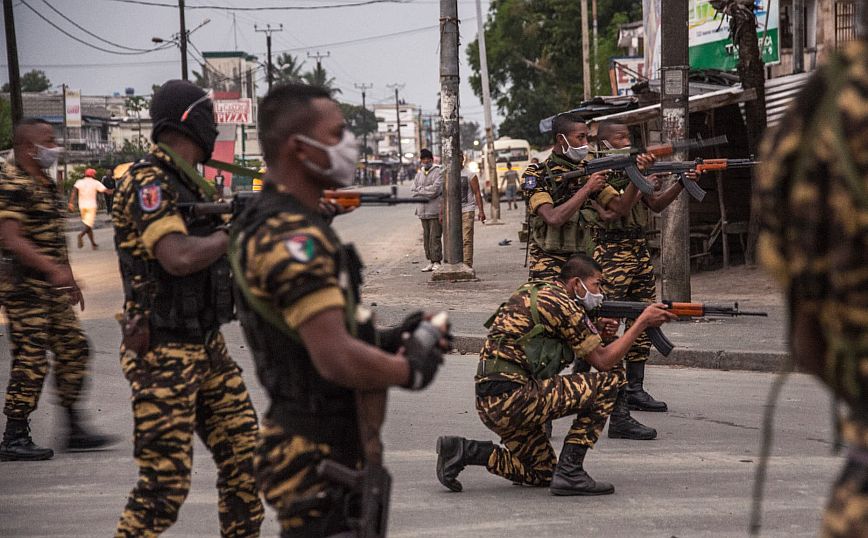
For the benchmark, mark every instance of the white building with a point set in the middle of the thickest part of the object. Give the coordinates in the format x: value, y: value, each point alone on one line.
x: 387, y: 131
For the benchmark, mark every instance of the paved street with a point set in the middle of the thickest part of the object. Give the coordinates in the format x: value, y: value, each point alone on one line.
x: 695, y: 480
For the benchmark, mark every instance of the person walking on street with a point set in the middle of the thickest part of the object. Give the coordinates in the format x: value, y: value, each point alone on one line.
x: 471, y: 205
x: 177, y: 293
x: 428, y: 184
x: 86, y: 190
x: 317, y: 352
x: 108, y: 181
x: 510, y: 177
x: 519, y: 388
x: 38, y: 291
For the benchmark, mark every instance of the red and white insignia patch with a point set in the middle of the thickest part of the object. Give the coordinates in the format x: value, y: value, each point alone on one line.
x: 590, y: 325
x: 150, y: 197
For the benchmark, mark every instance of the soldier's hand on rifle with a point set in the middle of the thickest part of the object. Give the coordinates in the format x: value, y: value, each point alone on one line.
x: 595, y: 182
x: 424, y: 351
x: 655, y: 315
x: 692, y: 175
x: 645, y: 160
x: 657, y: 180
x: 329, y: 210
x: 608, y: 328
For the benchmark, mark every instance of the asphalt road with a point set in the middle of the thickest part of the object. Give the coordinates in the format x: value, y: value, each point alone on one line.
x: 695, y: 480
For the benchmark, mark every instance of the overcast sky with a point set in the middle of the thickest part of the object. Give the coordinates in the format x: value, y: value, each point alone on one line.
x: 410, y: 58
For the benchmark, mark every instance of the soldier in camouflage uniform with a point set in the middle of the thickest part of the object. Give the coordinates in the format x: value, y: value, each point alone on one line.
x: 38, y: 291
x: 178, y: 291
x: 621, y: 248
x: 300, y: 290
x: 532, y: 337
x: 555, y: 230
x: 813, y: 206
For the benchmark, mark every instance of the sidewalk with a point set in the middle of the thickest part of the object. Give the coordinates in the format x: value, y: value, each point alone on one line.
x: 748, y: 343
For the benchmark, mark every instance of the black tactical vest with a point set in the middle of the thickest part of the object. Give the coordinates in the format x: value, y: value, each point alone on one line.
x: 302, y: 402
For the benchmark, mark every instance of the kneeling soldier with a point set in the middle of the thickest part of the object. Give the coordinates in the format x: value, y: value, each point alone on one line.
x: 531, y: 339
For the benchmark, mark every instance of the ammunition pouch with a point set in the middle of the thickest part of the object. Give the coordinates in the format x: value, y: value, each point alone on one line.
x: 571, y: 238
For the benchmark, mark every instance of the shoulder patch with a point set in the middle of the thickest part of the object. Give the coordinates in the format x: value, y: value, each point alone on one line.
x: 150, y: 197
x: 301, y: 247
x: 529, y: 182
x: 590, y: 325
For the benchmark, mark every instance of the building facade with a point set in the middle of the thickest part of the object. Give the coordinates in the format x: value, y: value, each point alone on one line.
x: 387, y: 132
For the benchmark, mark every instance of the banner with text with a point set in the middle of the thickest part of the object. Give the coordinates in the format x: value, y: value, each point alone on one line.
x: 625, y: 72
x: 73, y: 108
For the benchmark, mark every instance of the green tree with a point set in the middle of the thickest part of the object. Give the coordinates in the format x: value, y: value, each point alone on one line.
x: 535, y: 59
x: 360, y: 120
x: 318, y: 77
x: 201, y: 79
x: 32, y: 81
x: 288, y: 69
x: 469, y: 132
x: 5, y: 124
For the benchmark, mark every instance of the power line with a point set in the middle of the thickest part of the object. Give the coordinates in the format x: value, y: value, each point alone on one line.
x: 369, y: 38
x: 266, y: 8
x: 83, y: 42
x: 88, y: 32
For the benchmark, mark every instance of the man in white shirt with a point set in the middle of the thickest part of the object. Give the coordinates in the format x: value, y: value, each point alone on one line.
x: 86, y: 189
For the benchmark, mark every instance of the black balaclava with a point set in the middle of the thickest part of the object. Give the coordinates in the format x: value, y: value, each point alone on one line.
x: 181, y: 106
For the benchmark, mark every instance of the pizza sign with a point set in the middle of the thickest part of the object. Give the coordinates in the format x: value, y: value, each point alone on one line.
x: 233, y: 111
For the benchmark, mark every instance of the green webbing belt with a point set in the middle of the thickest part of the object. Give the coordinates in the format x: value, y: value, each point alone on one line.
x: 189, y: 171
x: 499, y: 366
x: 234, y: 169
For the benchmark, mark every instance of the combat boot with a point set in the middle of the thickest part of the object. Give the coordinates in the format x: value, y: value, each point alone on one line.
x: 80, y: 439
x: 570, y: 477
x: 18, y: 446
x: 623, y: 426
x: 454, y: 453
x: 637, y: 398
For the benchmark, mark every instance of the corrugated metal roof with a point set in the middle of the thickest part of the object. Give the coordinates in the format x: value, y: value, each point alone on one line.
x: 780, y: 92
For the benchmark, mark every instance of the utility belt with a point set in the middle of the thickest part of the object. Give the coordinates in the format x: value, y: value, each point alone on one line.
x: 499, y: 366
x: 613, y: 236
x: 159, y: 337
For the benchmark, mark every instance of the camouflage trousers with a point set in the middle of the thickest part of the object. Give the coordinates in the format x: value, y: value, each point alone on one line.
x: 306, y: 504
x: 543, y: 265
x: 519, y: 417
x: 42, y: 320
x: 846, y: 514
x: 178, y: 389
x: 628, y: 275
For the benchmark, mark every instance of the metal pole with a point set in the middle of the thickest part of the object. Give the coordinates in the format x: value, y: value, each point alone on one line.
x: 183, y: 40
x: 65, y: 138
x: 364, y: 88
x: 675, y: 236
x: 398, y: 127
x: 586, y: 53
x: 798, y: 36
x: 594, y: 57
x: 12, y: 60
x: 490, y: 164
x: 449, y: 80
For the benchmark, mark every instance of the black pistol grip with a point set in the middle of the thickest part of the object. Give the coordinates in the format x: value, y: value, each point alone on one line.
x: 639, y: 180
x: 659, y: 341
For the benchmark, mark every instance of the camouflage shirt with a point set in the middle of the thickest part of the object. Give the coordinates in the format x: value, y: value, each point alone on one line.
x: 36, y: 203
x: 561, y: 317
x: 146, y: 209
x: 539, y: 190
x: 812, y: 199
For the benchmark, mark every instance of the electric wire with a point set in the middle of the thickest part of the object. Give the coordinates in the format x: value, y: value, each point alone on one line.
x: 88, y: 32
x: 264, y: 8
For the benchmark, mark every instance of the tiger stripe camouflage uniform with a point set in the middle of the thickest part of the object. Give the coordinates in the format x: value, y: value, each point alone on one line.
x: 180, y: 385
x: 293, y: 260
x: 40, y: 317
x: 546, y: 264
x: 813, y: 205
x: 516, y: 406
x: 621, y: 249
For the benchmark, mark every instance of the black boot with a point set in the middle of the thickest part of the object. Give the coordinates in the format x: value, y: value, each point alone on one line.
x: 18, y: 446
x: 623, y: 426
x: 637, y: 398
x: 454, y: 453
x: 571, y: 478
x: 81, y: 439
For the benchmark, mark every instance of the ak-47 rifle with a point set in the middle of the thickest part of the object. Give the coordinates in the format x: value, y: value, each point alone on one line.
x: 632, y: 310
x: 345, y: 199
x: 626, y: 161
x: 700, y: 166
x: 373, y: 484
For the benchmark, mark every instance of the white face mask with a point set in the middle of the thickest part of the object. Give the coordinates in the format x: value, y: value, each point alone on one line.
x: 342, y: 158
x: 574, y: 154
x: 46, y: 157
x: 590, y: 300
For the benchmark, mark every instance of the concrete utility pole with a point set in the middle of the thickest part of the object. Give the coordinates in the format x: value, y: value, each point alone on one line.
x: 12, y: 61
x: 594, y: 57
x: 490, y: 162
x: 675, y: 236
x: 398, y: 127
x: 318, y: 57
x: 268, y: 30
x: 65, y: 138
x: 586, y: 52
x: 798, y: 36
x: 364, y: 88
x: 182, y: 39
x: 454, y: 268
